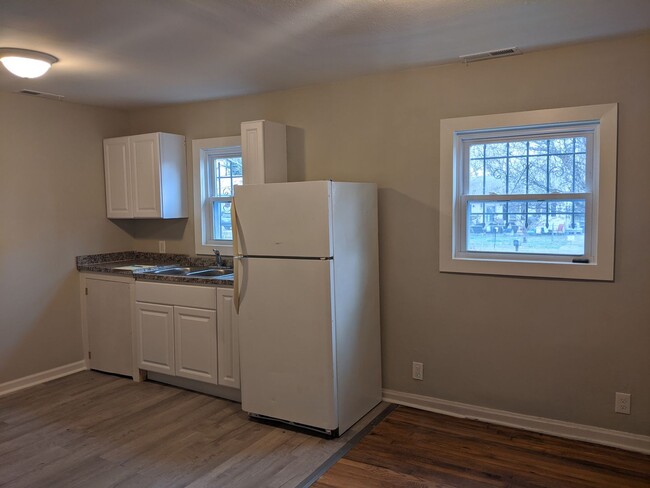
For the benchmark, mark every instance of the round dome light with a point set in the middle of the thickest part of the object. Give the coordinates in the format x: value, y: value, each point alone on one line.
x: 26, y: 63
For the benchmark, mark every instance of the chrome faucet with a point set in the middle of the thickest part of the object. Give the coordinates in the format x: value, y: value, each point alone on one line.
x: 217, y: 257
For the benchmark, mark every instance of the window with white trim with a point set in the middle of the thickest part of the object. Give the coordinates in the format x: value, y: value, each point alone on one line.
x: 530, y: 193
x: 217, y: 169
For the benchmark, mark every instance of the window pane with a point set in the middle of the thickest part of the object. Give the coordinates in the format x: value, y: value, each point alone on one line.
x: 517, y: 148
x: 476, y: 217
x: 221, y: 221
x: 561, y: 146
x: 527, y: 227
x: 227, y: 172
x: 477, y: 151
x: 476, y: 176
x: 560, y: 172
x: 496, y: 149
x: 495, y: 176
x: 525, y: 167
x: 537, y: 174
x: 581, y: 173
x: 517, y: 176
x: 537, y: 147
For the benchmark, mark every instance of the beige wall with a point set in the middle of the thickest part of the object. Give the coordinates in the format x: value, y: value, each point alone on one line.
x: 551, y: 348
x: 51, y: 210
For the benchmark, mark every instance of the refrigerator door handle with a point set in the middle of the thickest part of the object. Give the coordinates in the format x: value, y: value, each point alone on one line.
x: 235, y: 228
x: 235, y: 291
x: 235, y: 255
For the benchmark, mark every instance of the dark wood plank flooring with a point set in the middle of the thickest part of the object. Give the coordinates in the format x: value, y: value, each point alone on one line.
x: 413, y: 448
x: 94, y: 430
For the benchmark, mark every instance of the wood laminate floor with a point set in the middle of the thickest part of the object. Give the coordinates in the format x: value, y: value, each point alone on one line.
x: 94, y: 430
x: 413, y: 448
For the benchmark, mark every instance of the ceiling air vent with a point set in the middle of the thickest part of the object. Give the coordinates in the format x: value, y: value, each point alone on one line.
x: 51, y: 96
x: 497, y: 53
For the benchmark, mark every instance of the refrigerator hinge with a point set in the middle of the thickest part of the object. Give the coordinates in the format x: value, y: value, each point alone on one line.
x: 86, y: 290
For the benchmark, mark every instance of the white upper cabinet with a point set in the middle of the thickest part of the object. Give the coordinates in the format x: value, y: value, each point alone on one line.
x: 145, y: 177
x: 264, y: 152
x: 117, y: 170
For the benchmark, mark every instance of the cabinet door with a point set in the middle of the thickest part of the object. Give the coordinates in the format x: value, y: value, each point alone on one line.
x: 264, y: 152
x: 145, y: 173
x: 117, y: 171
x: 196, y: 343
x: 227, y: 339
x: 108, y: 319
x: 155, y: 333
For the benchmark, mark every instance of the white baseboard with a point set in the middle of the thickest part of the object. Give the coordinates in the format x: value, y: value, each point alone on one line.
x: 597, y: 435
x: 42, y: 377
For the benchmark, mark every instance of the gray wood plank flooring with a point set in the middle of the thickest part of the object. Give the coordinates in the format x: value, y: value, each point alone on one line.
x: 95, y: 430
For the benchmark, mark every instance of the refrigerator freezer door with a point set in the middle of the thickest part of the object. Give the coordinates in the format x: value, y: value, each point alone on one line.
x: 286, y: 341
x: 284, y: 219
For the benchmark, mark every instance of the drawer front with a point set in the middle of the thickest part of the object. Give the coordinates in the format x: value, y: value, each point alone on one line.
x: 173, y: 294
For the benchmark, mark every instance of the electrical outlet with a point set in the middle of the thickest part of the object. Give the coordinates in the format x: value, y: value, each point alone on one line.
x: 161, y: 246
x: 418, y: 371
x: 622, y: 403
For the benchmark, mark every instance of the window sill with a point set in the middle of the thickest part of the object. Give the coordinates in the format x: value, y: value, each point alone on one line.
x: 535, y: 269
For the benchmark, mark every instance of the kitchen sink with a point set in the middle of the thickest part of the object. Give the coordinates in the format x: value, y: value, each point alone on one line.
x: 212, y: 272
x: 173, y: 271
x: 198, y: 271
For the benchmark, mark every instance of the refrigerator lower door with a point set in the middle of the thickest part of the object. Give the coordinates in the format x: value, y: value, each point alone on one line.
x: 286, y: 341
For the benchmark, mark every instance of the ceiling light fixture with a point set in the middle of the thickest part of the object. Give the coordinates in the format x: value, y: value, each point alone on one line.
x: 26, y: 63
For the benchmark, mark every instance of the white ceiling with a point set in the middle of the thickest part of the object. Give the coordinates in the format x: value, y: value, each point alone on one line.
x: 129, y: 53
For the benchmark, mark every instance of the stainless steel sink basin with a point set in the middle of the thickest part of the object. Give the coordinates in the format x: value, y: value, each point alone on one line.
x: 198, y: 271
x: 212, y: 272
x: 173, y: 271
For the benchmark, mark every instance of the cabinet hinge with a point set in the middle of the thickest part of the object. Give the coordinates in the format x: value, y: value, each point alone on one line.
x: 86, y: 290
x: 89, y: 355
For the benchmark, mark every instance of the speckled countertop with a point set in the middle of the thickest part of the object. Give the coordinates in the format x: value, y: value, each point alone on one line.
x: 110, y: 262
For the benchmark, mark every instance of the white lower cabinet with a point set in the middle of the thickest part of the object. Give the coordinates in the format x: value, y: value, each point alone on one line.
x: 195, y: 333
x: 228, y: 339
x: 107, y: 315
x: 187, y: 331
x: 155, y: 333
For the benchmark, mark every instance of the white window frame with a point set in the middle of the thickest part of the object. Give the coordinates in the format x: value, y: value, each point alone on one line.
x: 600, y: 196
x: 202, y: 149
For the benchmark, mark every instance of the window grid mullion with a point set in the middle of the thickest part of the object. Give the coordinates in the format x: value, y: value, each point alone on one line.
x: 548, y: 174
x: 573, y: 181
x: 484, y: 167
x: 540, y: 197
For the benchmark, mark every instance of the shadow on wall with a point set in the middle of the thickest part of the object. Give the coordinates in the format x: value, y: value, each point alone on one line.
x: 163, y: 229
x: 295, y: 154
x: 408, y: 276
x: 127, y: 225
x: 45, y: 326
x: 148, y: 232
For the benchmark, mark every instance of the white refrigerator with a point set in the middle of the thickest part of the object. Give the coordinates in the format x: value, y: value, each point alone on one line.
x: 307, y: 292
